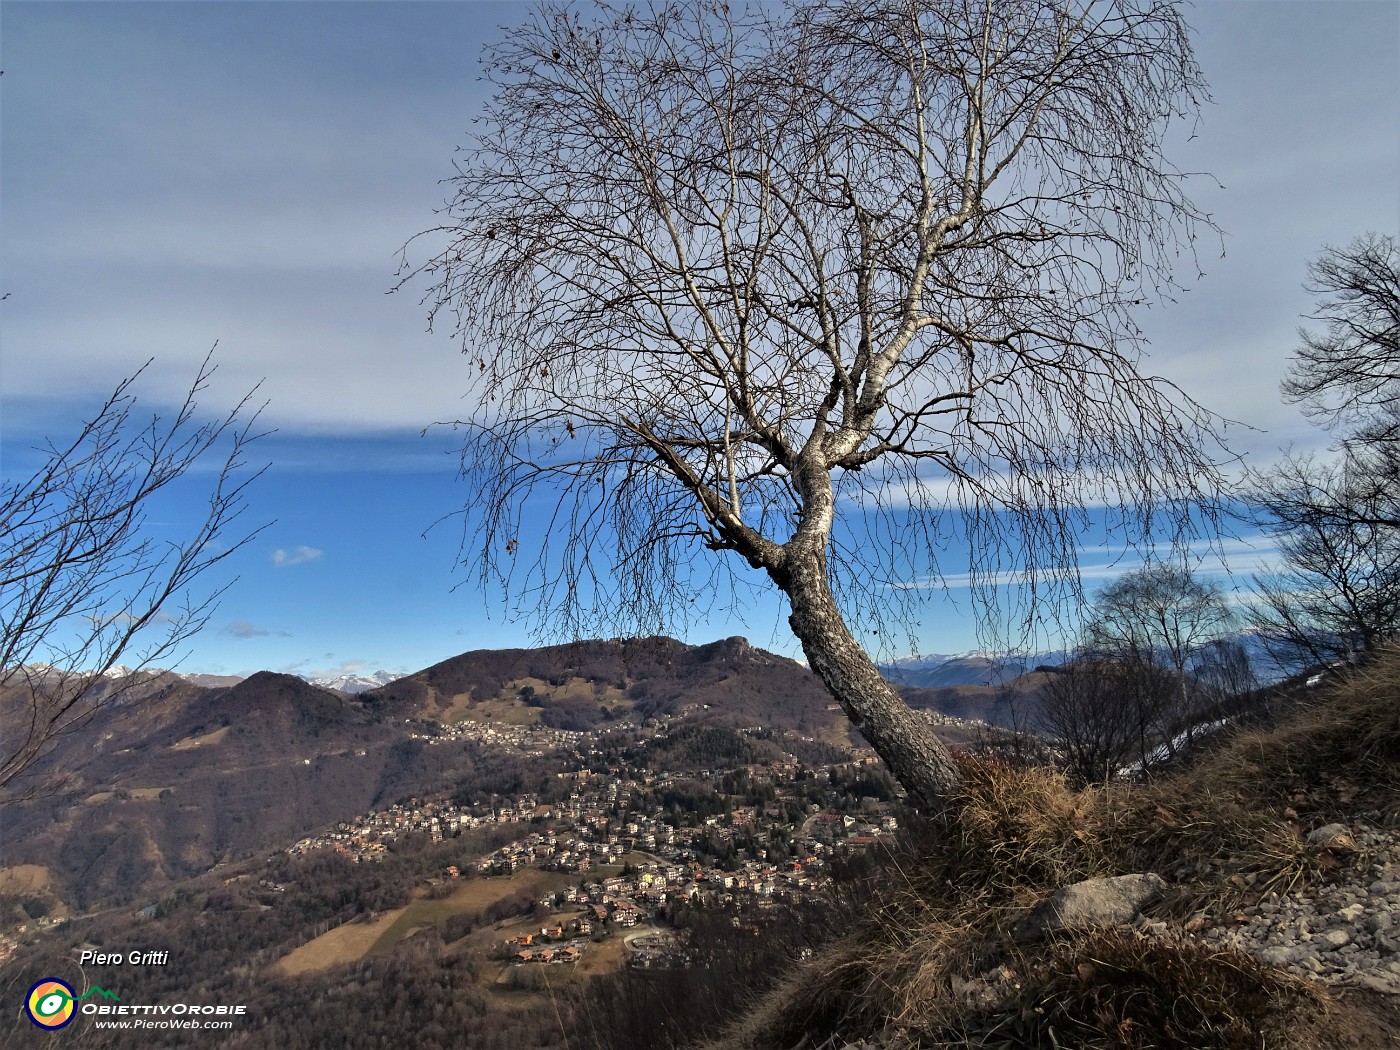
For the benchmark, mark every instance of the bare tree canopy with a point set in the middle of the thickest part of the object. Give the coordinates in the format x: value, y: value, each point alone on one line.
x: 1347, y: 378
x: 795, y: 283
x: 1165, y: 628
x: 1160, y: 611
x: 1348, y: 375
x: 1093, y: 707
x: 1337, y: 594
x: 1338, y: 523
x: 84, y: 583
x: 1154, y: 659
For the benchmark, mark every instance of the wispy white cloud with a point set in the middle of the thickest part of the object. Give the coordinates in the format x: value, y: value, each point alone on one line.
x: 1238, y: 556
x: 282, y: 558
x: 1227, y: 549
x: 246, y: 629
x: 336, y: 670
x: 243, y: 629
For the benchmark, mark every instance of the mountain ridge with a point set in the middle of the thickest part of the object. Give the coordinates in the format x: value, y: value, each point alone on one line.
x: 177, y: 777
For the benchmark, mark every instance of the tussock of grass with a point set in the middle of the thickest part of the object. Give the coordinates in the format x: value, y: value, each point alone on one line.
x: 930, y: 962
x: 1024, y: 828
x: 1118, y: 990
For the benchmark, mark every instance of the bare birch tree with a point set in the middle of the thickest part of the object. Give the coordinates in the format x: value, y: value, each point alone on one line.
x: 1161, y: 625
x: 815, y: 286
x: 86, y: 584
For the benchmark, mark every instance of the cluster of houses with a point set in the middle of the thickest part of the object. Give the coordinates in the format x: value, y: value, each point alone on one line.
x: 550, y: 852
x: 10, y: 945
x: 673, y: 870
x: 566, y: 941
x: 560, y: 942
x: 599, y: 824
x: 599, y: 819
x: 531, y: 738
x: 367, y: 837
x: 567, y: 953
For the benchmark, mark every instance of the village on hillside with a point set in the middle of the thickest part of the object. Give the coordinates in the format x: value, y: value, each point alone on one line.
x: 747, y: 837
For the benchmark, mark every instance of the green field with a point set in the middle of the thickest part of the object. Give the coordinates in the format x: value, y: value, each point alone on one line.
x: 472, y: 896
x: 353, y: 941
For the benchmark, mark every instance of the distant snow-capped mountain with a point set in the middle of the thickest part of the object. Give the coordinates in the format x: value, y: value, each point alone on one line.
x: 344, y: 683
x: 980, y: 667
x: 351, y: 683
x: 977, y: 667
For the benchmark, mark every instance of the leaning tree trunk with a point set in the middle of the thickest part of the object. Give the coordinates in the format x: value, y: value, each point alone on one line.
x: 903, y: 739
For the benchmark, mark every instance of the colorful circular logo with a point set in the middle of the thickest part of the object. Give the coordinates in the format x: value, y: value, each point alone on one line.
x: 50, y: 1003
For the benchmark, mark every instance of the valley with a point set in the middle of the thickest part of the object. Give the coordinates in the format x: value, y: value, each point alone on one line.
x: 507, y: 822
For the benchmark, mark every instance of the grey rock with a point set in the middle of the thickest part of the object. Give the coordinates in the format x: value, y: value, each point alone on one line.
x: 1333, y: 837
x: 1093, y: 902
x: 1379, y: 982
x: 1333, y: 939
x: 1281, y: 955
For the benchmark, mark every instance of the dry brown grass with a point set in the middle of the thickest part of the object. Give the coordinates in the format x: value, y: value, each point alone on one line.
x: 25, y: 878
x: 206, y: 740
x: 1224, y: 832
x: 469, y: 896
x: 357, y: 939
x: 1337, y: 754
x: 1118, y: 990
x: 346, y: 943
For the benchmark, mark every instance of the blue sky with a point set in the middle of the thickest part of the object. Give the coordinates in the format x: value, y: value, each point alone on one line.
x: 180, y: 173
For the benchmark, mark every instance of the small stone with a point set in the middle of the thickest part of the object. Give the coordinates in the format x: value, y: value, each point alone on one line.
x: 976, y: 991
x: 1378, y: 982
x: 1279, y: 956
x: 1333, y: 939
x: 1332, y: 837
